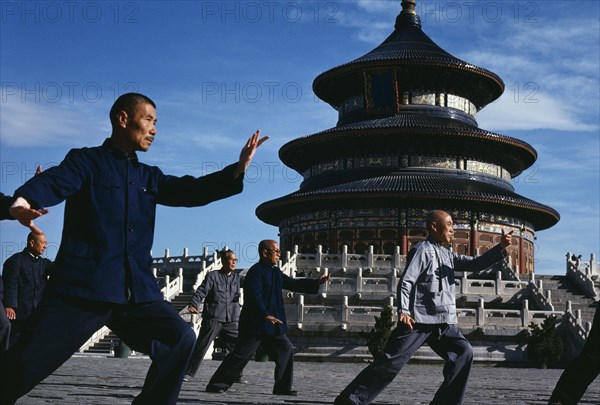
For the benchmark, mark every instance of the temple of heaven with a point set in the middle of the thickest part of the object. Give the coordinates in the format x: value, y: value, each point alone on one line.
x: 406, y: 142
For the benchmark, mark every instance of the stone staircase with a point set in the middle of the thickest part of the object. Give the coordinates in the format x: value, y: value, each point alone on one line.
x: 182, y: 300
x: 105, y: 346
x: 563, y: 290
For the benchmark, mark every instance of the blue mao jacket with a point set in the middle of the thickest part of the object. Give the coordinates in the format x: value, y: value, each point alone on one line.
x: 263, y: 296
x: 25, y: 278
x: 5, y: 203
x: 109, y: 219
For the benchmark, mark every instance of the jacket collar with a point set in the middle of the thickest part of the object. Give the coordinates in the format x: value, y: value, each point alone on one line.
x: 110, y: 146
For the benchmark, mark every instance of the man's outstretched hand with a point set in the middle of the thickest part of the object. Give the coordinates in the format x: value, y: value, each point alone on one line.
x: 506, y: 239
x: 248, y: 152
x: 22, y: 212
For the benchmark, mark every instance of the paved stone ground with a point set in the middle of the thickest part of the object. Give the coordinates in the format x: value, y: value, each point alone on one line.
x: 111, y: 381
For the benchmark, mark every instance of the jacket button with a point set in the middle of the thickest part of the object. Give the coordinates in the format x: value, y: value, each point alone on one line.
x: 131, y: 229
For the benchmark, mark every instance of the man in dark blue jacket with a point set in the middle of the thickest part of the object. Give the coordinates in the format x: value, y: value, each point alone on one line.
x: 5, y: 203
x: 262, y: 322
x: 25, y: 274
x: 102, y: 272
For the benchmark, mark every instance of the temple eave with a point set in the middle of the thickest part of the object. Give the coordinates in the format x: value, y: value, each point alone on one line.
x: 272, y: 212
x: 493, y: 84
x: 300, y: 153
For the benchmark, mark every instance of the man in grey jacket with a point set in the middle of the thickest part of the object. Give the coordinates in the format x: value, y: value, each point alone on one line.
x: 427, y: 314
x: 218, y: 298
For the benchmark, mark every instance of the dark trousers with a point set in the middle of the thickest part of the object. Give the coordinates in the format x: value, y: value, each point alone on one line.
x: 4, y: 329
x: 578, y: 375
x: 60, y: 325
x: 209, y: 330
x: 16, y: 327
x: 277, y: 347
x: 445, y: 340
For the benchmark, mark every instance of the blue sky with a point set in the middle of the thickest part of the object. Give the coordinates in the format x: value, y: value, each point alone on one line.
x: 219, y: 70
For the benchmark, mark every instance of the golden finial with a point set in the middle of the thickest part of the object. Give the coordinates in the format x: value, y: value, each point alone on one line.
x: 408, y: 6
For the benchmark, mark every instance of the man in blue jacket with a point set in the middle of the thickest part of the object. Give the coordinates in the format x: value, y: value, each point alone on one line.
x: 103, y: 270
x: 5, y: 203
x: 262, y: 322
x: 24, y: 275
x: 427, y: 314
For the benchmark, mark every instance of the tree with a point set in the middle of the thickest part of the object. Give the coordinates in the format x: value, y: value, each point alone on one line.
x: 543, y: 345
x: 380, y: 333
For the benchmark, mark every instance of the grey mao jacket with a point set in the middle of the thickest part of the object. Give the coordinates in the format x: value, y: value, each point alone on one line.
x: 218, y: 296
x: 426, y: 288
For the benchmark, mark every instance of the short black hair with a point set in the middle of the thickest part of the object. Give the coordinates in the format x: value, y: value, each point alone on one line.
x: 223, y: 253
x: 127, y: 102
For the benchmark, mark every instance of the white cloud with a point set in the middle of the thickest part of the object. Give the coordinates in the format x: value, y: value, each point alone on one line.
x: 539, y: 111
x: 32, y: 124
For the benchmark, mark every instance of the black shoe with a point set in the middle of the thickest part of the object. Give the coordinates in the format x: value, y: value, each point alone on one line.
x: 340, y: 400
x: 241, y: 381
x: 215, y: 390
x: 285, y: 392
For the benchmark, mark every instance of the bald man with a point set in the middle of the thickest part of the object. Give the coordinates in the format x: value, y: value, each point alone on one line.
x: 24, y: 275
x: 263, y: 323
x: 427, y: 314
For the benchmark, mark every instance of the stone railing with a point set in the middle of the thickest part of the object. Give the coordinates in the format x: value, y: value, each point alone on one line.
x: 576, y: 326
x: 536, y: 293
x: 361, y: 318
x: 327, y: 317
x: 360, y: 281
x: 215, y: 264
x: 172, y: 285
x: 185, y: 261
x: 288, y: 266
x: 584, y: 274
x: 344, y: 259
x: 497, y: 287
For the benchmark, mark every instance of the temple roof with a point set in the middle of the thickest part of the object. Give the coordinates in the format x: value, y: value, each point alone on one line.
x: 411, y: 189
x: 409, y: 133
x: 409, y: 47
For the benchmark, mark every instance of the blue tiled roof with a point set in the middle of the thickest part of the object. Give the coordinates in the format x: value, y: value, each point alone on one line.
x: 408, y: 189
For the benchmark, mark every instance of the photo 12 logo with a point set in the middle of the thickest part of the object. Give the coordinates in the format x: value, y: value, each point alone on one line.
x: 269, y: 172
x: 72, y: 12
x: 67, y: 91
x: 20, y: 172
x: 252, y: 92
x: 269, y: 11
x: 473, y: 11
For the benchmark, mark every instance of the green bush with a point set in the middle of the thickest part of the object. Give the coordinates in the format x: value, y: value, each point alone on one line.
x: 543, y: 346
x: 380, y: 333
